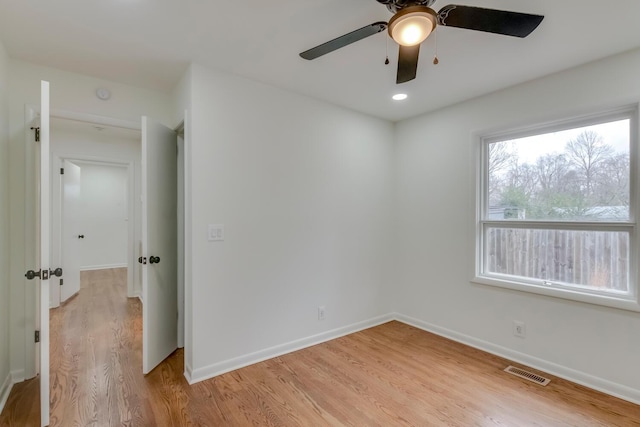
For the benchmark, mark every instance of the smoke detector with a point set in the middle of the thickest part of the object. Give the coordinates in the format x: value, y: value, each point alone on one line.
x: 103, y: 93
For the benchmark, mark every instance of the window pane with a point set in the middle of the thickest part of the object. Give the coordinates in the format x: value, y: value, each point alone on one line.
x: 580, y: 174
x: 596, y: 260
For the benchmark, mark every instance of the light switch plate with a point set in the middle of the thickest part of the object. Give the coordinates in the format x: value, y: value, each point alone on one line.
x: 215, y: 232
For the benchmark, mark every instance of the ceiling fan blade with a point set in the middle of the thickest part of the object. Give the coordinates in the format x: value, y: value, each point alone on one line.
x: 489, y: 20
x: 407, y: 63
x: 343, y: 41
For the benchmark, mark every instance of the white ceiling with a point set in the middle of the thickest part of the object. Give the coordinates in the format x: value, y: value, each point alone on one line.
x: 149, y: 43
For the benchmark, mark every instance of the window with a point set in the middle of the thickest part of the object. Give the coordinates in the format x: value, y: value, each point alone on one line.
x: 556, y: 210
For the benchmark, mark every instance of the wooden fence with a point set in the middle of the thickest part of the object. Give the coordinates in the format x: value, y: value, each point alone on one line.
x: 597, y: 259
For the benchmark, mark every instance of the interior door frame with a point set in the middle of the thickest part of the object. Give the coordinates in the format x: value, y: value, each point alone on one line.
x: 57, y: 158
x: 32, y: 113
x: 31, y: 118
x: 181, y: 170
x: 31, y: 292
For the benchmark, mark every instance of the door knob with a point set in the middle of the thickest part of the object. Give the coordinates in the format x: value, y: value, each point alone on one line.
x: 30, y: 275
x: 57, y: 272
x: 154, y: 259
x: 142, y: 260
x: 81, y: 236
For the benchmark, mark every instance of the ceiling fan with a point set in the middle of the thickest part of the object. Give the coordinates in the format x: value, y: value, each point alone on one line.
x: 414, y: 20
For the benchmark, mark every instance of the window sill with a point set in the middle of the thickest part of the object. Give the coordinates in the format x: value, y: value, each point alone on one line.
x: 607, y: 301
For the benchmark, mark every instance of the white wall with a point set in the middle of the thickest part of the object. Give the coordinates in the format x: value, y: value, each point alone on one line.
x: 304, y: 191
x: 322, y: 208
x: 103, y: 218
x: 69, y: 92
x: 4, y: 226
x: 436, y: 166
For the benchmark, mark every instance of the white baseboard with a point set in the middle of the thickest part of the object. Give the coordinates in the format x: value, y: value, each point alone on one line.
x: 578, y: 377
x: 188, y: 372
x: 600, y: 384
x: 201, y: 374
x: 102, y: 267
x: 17, y: 376
x: 5, y: 390
x: 135, y: 294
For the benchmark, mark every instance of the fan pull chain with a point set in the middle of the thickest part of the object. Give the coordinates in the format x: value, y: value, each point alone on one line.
x: 436, y: 61
x: 386, y: 61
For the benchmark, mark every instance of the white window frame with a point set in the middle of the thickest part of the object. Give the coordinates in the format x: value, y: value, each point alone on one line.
x: 537, y: 286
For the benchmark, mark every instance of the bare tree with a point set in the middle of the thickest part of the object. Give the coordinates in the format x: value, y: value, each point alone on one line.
x: 587, y: 152
x: 611, y: 186
x: 522, y: 176
x: 551, y: 172
x: 500, y: 156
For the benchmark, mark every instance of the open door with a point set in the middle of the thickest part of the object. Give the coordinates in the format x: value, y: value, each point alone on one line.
x: 43, y: 245
x: 159, y: 243
x: 72, y: 237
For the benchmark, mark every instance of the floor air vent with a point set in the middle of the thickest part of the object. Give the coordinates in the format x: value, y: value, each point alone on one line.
x: 527, y: 375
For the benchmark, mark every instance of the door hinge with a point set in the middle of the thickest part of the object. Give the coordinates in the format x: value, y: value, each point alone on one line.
x: 61, y: 171
x: 37, y: 336
x: 61, y: 282
x: 37, y: 129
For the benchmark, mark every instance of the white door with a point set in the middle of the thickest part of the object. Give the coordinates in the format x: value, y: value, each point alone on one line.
x: 72, y: 236
x: 43, y: 253
x: 159, y: 242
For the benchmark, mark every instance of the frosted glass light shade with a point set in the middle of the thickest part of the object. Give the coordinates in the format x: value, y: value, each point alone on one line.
x: 412, y: 25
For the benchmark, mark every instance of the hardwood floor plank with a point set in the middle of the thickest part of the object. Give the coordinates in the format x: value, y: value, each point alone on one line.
x: 390, y: 375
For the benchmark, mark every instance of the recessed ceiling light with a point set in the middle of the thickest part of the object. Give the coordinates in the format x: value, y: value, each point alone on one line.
x: 399, y: 96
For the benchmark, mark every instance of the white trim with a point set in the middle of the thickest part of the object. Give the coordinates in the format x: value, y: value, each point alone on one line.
x: 5, y: 390
x: 88, y: 118
x: 482, y: 222
x: 593, y: 382
x: 30, y: 366
x: 578, y: 377
x: 17, y: 376
x: 102, y: 267
x: 597, y: 116
x: 188, y: 244
x: 517, y: 284
x: 188, y: 373
x: 219, y: 368
x: 56, y: 228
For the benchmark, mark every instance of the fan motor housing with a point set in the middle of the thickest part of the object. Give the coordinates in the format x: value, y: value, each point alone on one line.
x: 396, y: 5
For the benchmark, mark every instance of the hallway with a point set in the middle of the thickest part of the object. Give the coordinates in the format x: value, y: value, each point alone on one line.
x: 393, y: 374
x: 96, y: 368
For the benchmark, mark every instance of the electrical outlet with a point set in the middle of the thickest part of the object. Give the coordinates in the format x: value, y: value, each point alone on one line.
x: 321, y: 312
x: 519, y: 329
x: 215, y: 232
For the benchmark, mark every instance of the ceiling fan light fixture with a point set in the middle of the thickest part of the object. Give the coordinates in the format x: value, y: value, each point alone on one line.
x: 412, y: 25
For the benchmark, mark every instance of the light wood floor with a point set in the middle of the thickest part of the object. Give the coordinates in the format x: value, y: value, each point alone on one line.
x: 389, y: 375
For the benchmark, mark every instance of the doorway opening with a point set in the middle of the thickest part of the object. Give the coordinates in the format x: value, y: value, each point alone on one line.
x: 79, y: 156
x: 95, y: 178
x: 93, y: 222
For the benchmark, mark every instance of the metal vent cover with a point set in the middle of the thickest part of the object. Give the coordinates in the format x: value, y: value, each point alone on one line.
x: 530, y: 376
